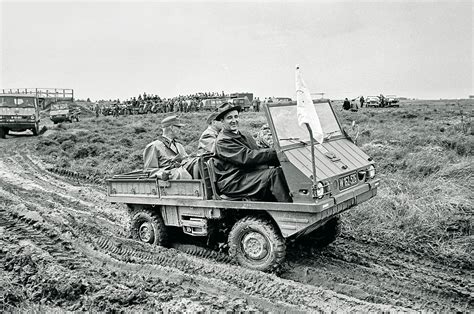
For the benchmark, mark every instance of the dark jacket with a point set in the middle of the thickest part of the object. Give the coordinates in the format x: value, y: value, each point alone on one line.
x: 240, y: 164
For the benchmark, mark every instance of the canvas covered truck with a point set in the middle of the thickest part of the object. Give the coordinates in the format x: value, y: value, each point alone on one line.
x: 19, y: 112
x: 324, y: 180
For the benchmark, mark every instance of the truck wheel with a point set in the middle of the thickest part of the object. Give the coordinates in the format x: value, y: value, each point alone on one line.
x: 327, y: 233
x: 35, y: 130
x: 149, y: 228
x: 2, y: 132
x: 255, y: 243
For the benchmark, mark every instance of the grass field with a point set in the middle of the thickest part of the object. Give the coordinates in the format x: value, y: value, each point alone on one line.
x: 423, y: 152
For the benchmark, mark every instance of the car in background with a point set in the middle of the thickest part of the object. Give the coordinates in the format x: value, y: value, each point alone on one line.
x: 391, y: 101
x: 62, y: 112
x: 372, y: 101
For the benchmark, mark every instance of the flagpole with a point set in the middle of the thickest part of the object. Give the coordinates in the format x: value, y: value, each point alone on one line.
x: 312, y: 153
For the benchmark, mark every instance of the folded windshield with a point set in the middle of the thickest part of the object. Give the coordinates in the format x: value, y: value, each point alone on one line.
x: 289, y: 132
x: 59, y: 106
x: 17, y: 102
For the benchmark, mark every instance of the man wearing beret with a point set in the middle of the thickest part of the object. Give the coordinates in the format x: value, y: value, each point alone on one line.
x: 165, y: 158
x: 242, y: 168
x: 208, y: 137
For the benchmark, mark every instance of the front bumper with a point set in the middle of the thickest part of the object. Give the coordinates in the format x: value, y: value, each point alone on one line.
x: 15, y: 125
x: 305, y: 223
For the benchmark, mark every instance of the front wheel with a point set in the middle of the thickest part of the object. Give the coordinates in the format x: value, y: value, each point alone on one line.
x: 257, y: 244
x: 3, y: 132
x: 35, y: 130
x: 148, y: 227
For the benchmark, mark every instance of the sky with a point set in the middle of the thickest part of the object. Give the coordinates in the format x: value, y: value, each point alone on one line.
x: 112, y: 49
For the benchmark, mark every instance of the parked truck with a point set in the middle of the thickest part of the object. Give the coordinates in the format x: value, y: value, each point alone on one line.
x: 324, y: 180
x: 63, y: 112
x: 19, y: 112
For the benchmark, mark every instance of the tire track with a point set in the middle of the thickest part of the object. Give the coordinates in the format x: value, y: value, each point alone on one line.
x: 384, y: 275
x: 357, y: 271
x: 210, y: 278
x: 79, y: 257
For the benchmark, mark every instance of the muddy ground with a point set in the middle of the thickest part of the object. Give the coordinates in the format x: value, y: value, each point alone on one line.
x: 63, y: 246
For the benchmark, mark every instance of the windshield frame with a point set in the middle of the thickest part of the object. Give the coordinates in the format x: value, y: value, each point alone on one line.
x: 16, y: 99
x: 59, y: 106
x: 298, y: 143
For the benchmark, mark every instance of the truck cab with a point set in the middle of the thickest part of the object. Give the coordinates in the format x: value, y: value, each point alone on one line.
x: 325, y: 179
x: 19, y: 112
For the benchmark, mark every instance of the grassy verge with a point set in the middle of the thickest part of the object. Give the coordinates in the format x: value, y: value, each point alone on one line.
x: 424, y: 154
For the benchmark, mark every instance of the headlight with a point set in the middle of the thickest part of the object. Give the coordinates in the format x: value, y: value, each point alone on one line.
x: 32, y: 117
x: 371, y: 172
x: 318, y: 190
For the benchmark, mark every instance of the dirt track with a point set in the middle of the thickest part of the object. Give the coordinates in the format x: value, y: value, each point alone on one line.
x: 64, y: 246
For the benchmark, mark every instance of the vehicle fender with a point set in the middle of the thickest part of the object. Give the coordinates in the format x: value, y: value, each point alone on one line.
x: 292, y: 223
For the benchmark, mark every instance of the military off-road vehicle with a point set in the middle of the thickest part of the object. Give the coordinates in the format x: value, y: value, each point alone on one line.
x: 63, y: 112
x: 19, y: 112
x: 324, y: 179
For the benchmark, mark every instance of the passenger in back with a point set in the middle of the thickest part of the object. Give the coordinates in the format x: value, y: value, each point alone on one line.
x: 208, y: 137
x: 165, y: 158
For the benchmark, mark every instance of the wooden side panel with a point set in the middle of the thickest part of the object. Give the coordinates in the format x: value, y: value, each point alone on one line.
x: 142, y: 187
x: 186, y: 188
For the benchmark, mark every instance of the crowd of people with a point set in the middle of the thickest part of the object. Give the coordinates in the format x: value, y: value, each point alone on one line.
x: 150, y: 103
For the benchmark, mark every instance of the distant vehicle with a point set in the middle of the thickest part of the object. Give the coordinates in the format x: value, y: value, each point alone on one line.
x: 391, y: 101
x: 372, y: 101
x: 212, y: 103
x: 19, y: 112
x: 278, y: 99
x: 63, y: 112
x: 243, y: 102
x: 240, y: 95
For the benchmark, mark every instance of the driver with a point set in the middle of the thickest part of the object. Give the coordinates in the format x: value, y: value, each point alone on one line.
x: 242, y: 169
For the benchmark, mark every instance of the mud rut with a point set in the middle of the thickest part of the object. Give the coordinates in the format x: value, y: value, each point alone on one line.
x: 61, y: 225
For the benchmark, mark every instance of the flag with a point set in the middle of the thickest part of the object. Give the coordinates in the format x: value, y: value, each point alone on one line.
x: 305, y: 108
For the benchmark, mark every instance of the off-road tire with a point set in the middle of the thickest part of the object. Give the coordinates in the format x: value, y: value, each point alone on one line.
x: 35, y: 130
x: 3, y: 132
x: 250, y: 231
x: 326, y: 234
x: 148, y: 227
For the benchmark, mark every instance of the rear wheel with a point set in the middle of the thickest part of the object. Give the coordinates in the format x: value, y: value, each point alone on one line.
x: 148, y: 227
x: 257, y: 244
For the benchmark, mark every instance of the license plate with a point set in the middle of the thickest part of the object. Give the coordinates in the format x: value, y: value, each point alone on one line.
x: 348, y: 181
